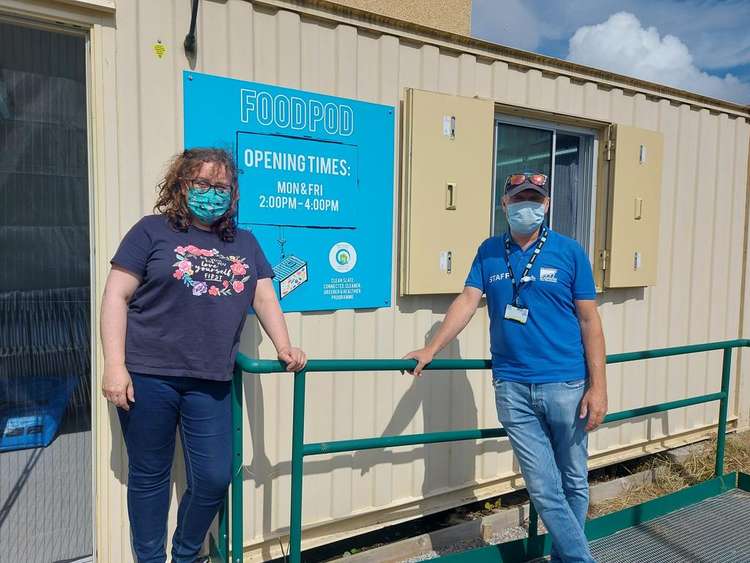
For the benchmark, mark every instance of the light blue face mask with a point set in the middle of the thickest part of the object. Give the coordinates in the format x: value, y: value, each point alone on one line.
x: 525, y: 217
x: 208, y: 206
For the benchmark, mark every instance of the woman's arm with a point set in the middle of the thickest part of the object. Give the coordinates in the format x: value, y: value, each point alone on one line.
x: 116, y: 384
x: 271, y: 318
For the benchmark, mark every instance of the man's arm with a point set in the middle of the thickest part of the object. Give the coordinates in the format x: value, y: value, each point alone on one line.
x: 458, y: 316
x: 594, y: 403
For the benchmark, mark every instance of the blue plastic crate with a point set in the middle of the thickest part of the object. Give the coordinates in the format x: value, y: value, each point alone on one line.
x: 33, y: 421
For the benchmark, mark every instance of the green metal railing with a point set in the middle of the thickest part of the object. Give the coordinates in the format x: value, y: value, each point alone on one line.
x: 232, y: 511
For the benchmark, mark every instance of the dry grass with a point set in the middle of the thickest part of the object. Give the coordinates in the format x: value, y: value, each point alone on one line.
x: 670, y: 476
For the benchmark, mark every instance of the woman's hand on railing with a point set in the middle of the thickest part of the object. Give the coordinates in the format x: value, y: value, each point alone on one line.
x: 423, y: 356
x: 294, y: 358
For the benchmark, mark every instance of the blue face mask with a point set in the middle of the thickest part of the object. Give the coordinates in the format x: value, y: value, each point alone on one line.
x: 525, y: 217
x: 209, y: 206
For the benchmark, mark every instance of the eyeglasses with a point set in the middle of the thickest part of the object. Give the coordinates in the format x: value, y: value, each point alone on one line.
x: 203, y: 186
x: 518, y: 179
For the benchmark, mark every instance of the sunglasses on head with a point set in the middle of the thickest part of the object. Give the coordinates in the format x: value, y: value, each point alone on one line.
x: 518, y: 179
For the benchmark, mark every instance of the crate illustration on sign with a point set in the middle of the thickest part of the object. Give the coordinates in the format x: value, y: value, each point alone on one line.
x: 291, y: 273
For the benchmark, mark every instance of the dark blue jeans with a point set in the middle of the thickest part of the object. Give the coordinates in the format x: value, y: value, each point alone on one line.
x: 202, y: 412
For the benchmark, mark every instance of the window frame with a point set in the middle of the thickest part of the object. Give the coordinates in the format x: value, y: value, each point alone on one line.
x: 589, y: 164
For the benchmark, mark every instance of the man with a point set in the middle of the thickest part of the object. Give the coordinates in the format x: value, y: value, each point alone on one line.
x: 547, y: 355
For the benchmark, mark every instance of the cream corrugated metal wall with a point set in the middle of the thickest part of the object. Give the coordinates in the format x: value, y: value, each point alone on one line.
x: 137, y: 124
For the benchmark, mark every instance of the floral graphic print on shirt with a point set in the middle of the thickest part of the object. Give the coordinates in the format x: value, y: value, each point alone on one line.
x: 208, y: 272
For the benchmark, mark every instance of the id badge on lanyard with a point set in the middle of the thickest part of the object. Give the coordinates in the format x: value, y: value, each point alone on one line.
x: 518, y: 314
x: 514, y: 311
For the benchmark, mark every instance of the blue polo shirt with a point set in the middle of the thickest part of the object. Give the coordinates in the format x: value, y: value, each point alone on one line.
x: 549, y: 346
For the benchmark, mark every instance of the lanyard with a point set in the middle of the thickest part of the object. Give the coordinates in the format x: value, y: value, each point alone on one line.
x: 524, y: 276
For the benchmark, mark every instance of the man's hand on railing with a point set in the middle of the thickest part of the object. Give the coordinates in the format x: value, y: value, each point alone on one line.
x: 423, y: 356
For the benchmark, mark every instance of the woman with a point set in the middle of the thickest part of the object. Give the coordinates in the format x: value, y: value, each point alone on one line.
x: 174, y: 306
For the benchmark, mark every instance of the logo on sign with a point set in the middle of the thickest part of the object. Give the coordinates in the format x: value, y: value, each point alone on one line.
x: 342, y: 257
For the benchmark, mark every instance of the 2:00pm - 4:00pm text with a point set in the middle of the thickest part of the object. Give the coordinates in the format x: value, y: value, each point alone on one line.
x: 291, y: 202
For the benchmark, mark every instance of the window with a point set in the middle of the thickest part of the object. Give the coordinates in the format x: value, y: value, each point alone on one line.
x: 566, y: 154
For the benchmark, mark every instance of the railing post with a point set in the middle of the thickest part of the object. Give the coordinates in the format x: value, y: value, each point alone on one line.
x: 237, y: 480
x: 721, y: 436
x: 533, y: 521
x: 298, y: 442
x: 534, y: 547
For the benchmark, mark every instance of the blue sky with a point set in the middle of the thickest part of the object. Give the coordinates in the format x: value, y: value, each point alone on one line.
x: 697, y: 45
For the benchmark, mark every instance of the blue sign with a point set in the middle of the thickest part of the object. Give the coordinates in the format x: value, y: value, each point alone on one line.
x: 316, y: 185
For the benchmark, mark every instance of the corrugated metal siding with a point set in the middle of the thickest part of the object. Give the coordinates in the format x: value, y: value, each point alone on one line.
x: 702, y: 226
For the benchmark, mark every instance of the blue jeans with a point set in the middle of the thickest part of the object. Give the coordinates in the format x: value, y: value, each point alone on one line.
x: 202, y: 411
x: 550, y: 442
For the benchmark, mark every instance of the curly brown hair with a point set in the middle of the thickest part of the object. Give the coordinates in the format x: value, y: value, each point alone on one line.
x: 172, y: 198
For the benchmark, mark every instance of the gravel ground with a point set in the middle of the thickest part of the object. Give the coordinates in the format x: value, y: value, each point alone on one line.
x: 509, y: 534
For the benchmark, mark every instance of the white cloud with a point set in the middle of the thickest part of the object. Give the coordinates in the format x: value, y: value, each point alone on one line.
x: 621, y: 44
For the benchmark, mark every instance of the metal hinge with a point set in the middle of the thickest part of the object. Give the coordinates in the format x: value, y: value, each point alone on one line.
x: 609, y: 148
x: 604, y: 255
x: 609, y: 145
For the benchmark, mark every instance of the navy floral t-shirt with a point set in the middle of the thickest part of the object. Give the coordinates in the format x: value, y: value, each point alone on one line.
x: 186, y: 317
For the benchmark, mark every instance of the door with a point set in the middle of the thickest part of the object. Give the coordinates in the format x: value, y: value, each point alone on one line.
x: 45, y: 332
